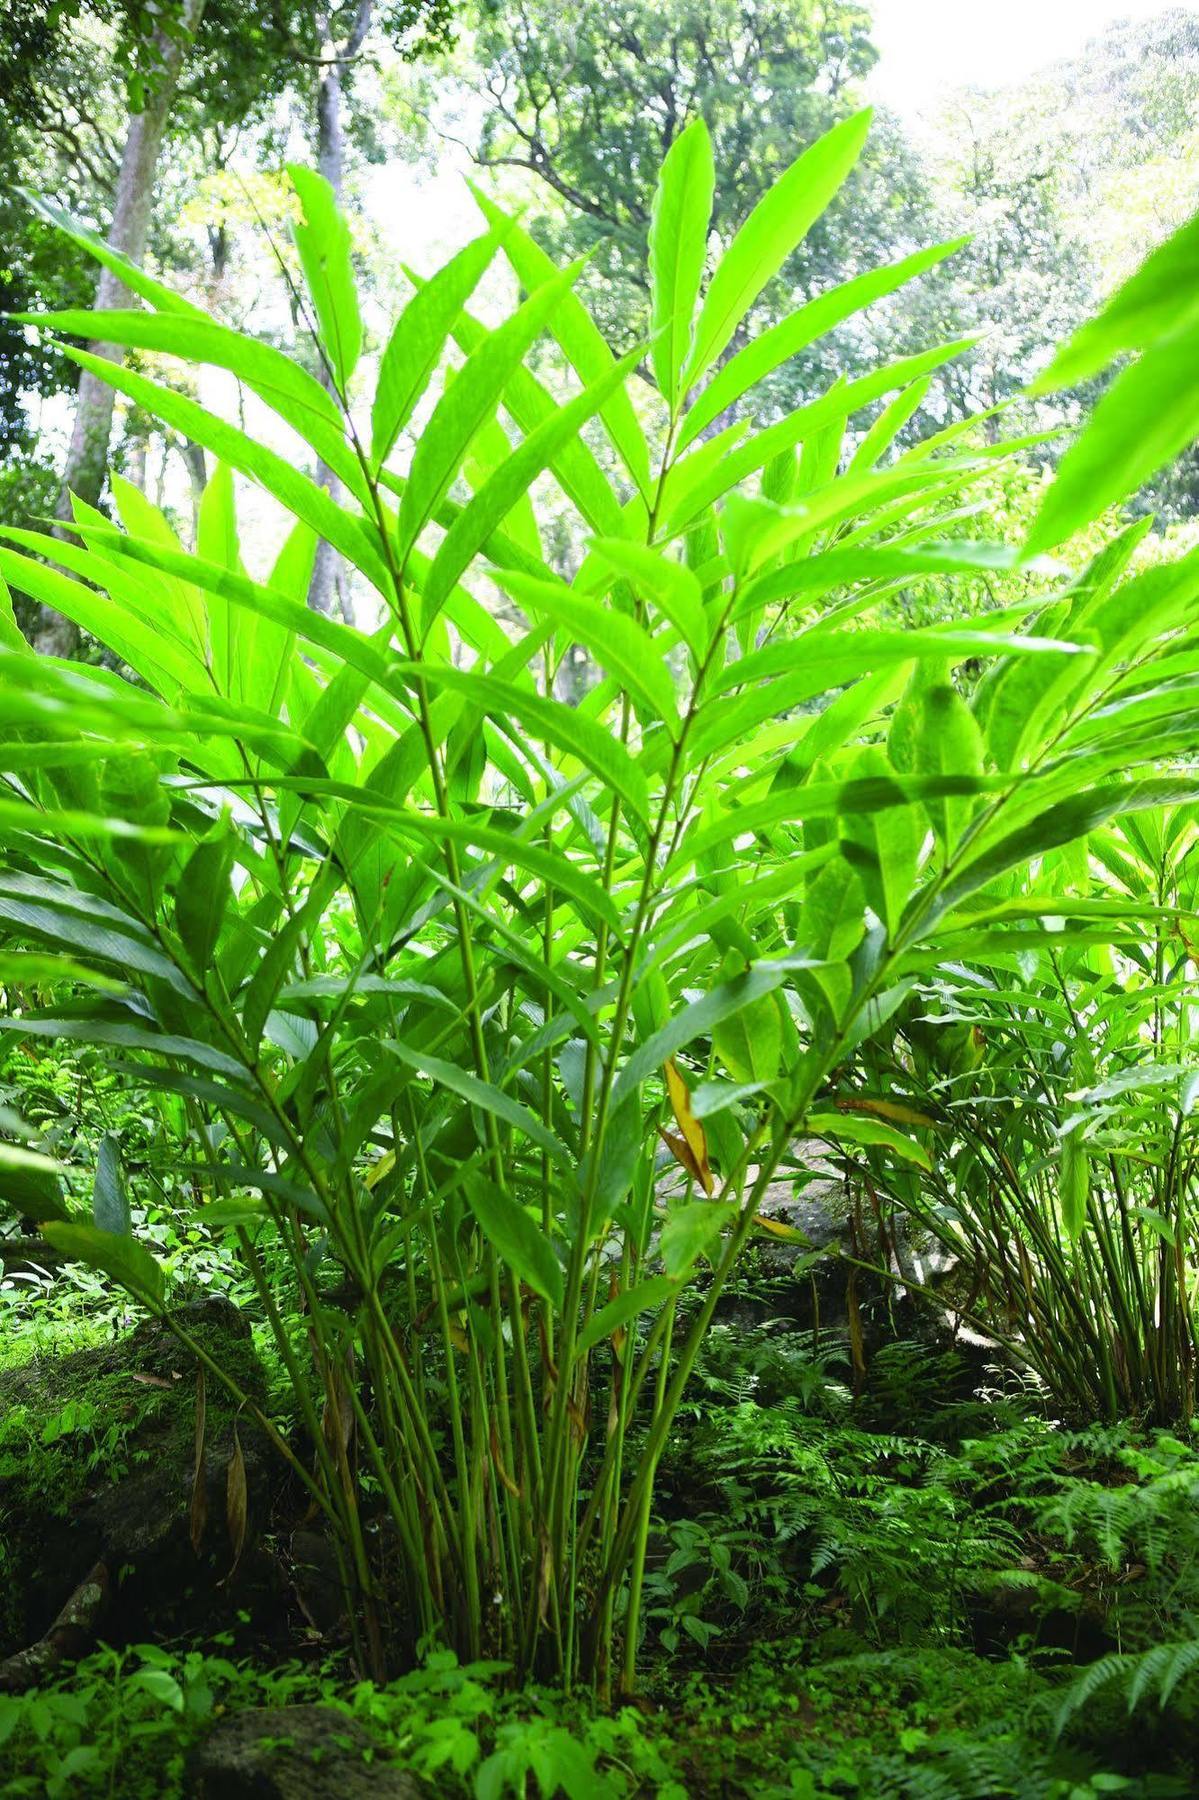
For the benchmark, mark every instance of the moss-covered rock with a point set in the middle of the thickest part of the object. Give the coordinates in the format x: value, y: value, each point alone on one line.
x: 97, y: 1457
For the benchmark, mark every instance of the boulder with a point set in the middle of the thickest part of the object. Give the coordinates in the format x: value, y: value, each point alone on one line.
x: 295, y: 1753
x: 97, y: 1458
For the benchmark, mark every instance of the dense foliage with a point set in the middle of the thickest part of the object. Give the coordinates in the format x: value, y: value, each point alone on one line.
x: 747, y: 830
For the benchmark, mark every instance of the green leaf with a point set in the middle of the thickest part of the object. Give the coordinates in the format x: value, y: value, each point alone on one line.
x: 479, y: 519
x: 30, y: 1183
x: 131, y: 1037
x: 1060, y: 824
x: 579, y: 338
x: 482, y: 1094
x: 1074, y: 1183
x: 29, y: 968
x: 55, y: 915
x: 130, y: 274
x: 767, y: 350
x: 671, y: 586
x: 689, y: 1233
x: 678, y: 248
x: 1148, y: 416
x: 517, y: 1238
x: 419, y: 338
x: 468, y: 402
x: 1159, y: 300
x: 701, y: 478
x: 298, y: 493
x: 616, y: 640
x: 644, y: 1297
x: 935, y: 733
x: 700, y: 1018
x: 750, y: 1041
x: 774, y: 228
x: 853, y: 1128
x: 110, y: 1202
x: 323, y: 241
x: 285, y: 387
x: 565, y: 727
x: 202, y: 896
x: 129, y: 1263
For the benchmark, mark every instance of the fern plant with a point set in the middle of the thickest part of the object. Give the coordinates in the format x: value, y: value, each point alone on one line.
x: 427, y: 963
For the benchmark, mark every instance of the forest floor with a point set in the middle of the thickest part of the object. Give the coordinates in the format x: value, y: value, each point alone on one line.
x: 909, y: 1583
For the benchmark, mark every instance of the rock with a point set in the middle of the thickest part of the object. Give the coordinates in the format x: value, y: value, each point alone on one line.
x: 97, y: 1456
x: 295, y: 1753
x: 316, y: 1579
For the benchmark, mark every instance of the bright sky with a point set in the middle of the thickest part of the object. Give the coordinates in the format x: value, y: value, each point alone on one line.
x: 930, y: 46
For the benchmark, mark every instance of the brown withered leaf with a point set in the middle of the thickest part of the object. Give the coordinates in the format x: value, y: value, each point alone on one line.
x: 884, y: 1109
x: 337, y: 1416
x: 198, y: 1511
x: 236, y: 1501
x: 857, y: 1345
x: 691, y: 1149
x: 545, y: 1574
x: 498, y: 1464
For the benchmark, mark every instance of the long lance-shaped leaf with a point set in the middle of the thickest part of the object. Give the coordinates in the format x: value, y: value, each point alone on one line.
x: 1063, y: 823
x: 169, y: 609
x: 129, y: 1263
x: 777, y: 224
x: 159, y: 661
x: 772, y: 348
x: 548, y: 866
x: 490, y: 506
x: 843, y: 568
x: 678, y: 248
x: 677, y: 927
x: 481, y: 1093
x: 323, y: 241
x: 290, y: 391
x: 580, y: 340
x: 1161, y: 298
x: 671, y: 586
x: 826, y: 800
x: 563, y: 726
x: 617, y: 641
x: 1147, y: 417
x: 73, y: 822
x: 65, y: 929
x: 128, y: 1037
x: 519, y: 1239
x: 342, y: 641
x: 890, y: 422
x: 419, y: 338
x: 301, y: 496
x: 699, y: 1018
x: 689, y: 491
x: 575, y: 468
x: 468, y: 402
x: 50, y: 694
x: 163, y: 298
x: 833, y: 656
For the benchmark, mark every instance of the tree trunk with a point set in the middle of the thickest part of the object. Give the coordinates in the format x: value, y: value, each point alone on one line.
x: 197, y: 477
x: 87, y: 456
x: 328, y: 589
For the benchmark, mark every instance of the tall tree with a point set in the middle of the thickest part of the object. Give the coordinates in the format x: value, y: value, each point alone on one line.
x: 342, y: 33
x: 582, y: 102
x: 182, y: 68
x: 87, y: 455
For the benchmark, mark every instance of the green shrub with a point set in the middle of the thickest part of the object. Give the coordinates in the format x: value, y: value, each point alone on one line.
x: 484, y: 1022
